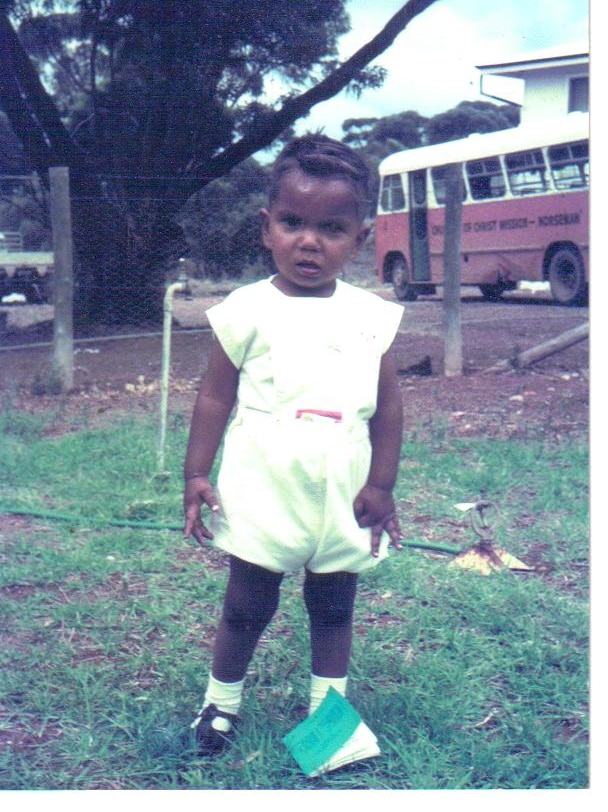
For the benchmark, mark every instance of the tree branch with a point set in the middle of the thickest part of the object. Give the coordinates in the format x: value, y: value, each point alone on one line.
x: 37, y: 123
x: 296, y: 107
x: 28, y: 105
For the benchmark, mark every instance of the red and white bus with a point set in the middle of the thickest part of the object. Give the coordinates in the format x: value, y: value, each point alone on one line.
x: 524, y: 213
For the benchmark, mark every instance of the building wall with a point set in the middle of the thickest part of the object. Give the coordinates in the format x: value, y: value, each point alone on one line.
x: 547, y: 93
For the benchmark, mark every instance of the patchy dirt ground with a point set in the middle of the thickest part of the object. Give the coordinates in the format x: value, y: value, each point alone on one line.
x: 118, y: 373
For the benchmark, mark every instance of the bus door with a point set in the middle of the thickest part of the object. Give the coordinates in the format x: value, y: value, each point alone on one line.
x: 419, y: 238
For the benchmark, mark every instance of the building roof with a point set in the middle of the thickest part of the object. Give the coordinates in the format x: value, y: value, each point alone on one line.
x: 565, y: 55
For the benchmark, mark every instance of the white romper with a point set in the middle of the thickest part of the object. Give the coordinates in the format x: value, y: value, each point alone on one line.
x: 297, y: 451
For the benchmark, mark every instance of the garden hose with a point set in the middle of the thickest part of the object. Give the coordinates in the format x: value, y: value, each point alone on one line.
x: 146, y: 525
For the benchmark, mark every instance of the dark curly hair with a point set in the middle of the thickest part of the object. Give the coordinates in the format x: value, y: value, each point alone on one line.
x: 321, y: 156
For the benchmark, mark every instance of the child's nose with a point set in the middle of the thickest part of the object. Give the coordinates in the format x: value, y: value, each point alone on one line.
x: 309, y: 239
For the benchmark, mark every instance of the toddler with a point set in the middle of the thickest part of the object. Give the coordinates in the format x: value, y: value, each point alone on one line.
x: 312, y: 448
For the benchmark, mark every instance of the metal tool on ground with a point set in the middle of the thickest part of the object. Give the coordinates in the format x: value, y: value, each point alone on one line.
x: 485, y: 556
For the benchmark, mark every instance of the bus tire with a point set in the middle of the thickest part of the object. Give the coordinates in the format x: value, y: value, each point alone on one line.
x: 404, y: 291
x: 566, y: 274
x: 493, y: 293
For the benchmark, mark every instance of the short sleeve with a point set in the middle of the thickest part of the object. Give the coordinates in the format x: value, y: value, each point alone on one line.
x: 233, y: 324
x: 377, y: 318
x: 389, y: 316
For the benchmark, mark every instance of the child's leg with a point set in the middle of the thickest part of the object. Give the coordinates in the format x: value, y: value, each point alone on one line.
x: 251, y: 599
x: 329, y: 599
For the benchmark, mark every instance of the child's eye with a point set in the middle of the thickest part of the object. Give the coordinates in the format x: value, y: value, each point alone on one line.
x: 291, y: 221
x: 332, y: 227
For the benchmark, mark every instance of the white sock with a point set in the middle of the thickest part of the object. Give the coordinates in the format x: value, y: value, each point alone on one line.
x: 319, y: 686
x: 226, y: 696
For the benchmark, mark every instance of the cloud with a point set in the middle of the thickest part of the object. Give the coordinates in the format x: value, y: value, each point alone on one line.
x: 431, y: 65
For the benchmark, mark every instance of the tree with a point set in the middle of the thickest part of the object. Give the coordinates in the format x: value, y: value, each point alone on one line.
x: 153, y: 102
x: 221, y: 223
x: 470, y: 117
x: 382, y: 136
x: 376, y: 138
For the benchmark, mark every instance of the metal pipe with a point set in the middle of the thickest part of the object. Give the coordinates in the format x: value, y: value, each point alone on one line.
x: 181, y: 286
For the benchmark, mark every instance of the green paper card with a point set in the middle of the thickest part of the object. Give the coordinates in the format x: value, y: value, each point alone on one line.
x: 315, y: 740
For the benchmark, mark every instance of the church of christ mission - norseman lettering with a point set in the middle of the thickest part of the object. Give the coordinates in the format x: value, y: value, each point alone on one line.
x: 565, y: 219
x: 524, y: 212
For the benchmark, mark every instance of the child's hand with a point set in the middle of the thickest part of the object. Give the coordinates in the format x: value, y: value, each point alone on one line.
x: 375, y: 508
x: 198, y: 491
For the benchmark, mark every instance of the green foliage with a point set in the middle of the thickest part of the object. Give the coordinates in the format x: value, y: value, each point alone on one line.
x: 14, y: 423
x: 222, y: 223
x: 379, y: 137
x: 150, y: 89
x: 376, y: 138
x: 470, y: 117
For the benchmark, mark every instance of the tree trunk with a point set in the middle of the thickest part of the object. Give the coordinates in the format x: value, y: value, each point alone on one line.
x: 122, y: 260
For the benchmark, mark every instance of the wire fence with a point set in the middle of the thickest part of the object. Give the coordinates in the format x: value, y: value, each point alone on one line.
x: 128, y: 245
x: 131, y: 236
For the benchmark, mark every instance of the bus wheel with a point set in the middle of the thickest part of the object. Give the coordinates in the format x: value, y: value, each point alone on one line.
x: 567, y: 277
x: 401, y: 285
x: 493, y: 293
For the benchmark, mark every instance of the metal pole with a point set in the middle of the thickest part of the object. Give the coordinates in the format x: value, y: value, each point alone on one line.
x: 181, y: 286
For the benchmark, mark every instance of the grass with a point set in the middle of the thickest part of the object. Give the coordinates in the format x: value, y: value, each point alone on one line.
x: 470, y: 682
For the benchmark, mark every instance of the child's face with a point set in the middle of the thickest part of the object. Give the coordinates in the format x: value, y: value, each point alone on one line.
x: 312, y: 229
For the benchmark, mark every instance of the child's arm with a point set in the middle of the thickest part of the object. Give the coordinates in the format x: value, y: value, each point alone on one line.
x: 214, y: 403
x: 374, y: 506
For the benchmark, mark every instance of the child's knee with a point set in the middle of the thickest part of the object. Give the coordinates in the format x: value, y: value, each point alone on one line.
x: 330, y: 598
x: 252, y: 595
x: 243, y: 613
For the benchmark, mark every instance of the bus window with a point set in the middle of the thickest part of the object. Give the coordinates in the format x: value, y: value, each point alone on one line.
x: 570, y: 165
x: 526, y: 172
x: 486, y: 179
x: 392, y: 197
x: 438, y: 179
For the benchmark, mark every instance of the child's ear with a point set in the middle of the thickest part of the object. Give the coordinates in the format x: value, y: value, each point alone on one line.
x: 265, y: 224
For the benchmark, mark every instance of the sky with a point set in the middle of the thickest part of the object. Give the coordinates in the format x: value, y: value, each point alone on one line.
x: 439, y: 50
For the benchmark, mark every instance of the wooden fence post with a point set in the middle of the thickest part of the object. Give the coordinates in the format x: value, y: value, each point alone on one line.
x: 451, y: 269
x: 63, y: 282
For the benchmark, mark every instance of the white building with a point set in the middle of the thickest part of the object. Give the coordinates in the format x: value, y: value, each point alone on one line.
x: 546, y: 84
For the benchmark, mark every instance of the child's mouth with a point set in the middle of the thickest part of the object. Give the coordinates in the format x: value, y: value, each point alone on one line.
x: 308, y: 268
